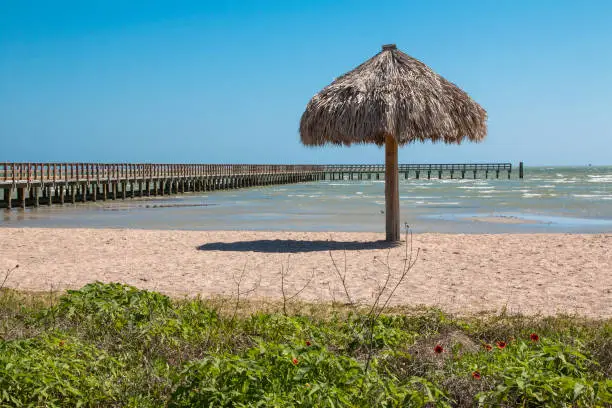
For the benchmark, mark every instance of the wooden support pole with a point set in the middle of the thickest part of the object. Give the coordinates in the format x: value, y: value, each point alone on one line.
x: 8, y: 195
x: 35, y: 191
x: 62, y: 193
x: 73, y: 193
x: 521, y: 170
x: 21, y: 196
x: 84, y: 188
x: 392, y: 190
x: 94, y: 192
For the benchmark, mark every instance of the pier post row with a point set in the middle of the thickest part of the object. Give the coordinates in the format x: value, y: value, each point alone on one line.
x: 35, y: 184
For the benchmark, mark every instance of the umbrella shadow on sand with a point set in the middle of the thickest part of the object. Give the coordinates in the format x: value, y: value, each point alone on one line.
x: 295, y: 246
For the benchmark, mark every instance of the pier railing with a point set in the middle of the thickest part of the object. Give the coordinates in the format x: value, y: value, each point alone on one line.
x: 372, y: 168
x: 74, y: 172
x: 77, y: 172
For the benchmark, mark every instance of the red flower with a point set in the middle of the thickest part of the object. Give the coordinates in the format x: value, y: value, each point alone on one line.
x: 501, y: 345
x: 488, y: 347
x: 308, y: 343
x: 294, y: 361
x: 438, y: 349
x: 476, y: 375
x: 534, y: 337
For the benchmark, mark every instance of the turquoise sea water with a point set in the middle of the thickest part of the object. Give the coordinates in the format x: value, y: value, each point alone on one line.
x: 549, y: 199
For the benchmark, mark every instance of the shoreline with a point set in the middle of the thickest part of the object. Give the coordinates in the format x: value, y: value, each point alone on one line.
x: 529, y: 273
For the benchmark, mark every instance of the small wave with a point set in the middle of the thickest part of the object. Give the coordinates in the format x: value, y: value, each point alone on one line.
x: 438, y: 203
x: 454, y: 181
x: 530, y: 195
x: 593, y: 196
x: 474, y: 187
x: 600, y: 179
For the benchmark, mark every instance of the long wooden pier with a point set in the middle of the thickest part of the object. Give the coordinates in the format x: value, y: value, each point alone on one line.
x: 34, y: 184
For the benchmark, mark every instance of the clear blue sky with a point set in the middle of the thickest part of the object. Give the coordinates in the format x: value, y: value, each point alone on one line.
x: 227, y: 81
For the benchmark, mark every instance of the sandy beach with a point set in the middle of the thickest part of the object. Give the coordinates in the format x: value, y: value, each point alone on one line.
x: 525, y: 273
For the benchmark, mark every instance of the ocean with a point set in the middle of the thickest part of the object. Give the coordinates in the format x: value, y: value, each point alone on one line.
x: 548, y: 199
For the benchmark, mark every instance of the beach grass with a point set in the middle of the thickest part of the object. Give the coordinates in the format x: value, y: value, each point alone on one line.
x: 115, y: 345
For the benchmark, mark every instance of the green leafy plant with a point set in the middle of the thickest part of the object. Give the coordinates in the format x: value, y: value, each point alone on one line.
x: 54, y: 370
x: 114, y: 345
x: 546, y: 373
x: 283, y: 376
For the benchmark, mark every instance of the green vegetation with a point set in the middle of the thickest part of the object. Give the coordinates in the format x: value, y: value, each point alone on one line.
x: 114, y: 345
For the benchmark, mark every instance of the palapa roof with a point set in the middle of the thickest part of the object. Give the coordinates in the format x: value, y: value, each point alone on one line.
x: 391, y: 93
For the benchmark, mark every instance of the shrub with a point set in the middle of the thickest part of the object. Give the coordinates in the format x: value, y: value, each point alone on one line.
x: 546, y: 373
x: 55, y: 370
x: 281, y: 376
x: 112, y: 305
x: 114, y: 345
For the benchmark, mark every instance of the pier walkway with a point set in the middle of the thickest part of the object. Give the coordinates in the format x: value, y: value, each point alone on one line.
x: 32, y: 184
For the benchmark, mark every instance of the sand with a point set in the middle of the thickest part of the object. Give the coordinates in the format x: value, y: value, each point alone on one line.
x: 523, y: 273
x: 504, y: 220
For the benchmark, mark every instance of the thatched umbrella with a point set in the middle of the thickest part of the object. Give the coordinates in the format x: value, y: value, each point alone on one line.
x: 391, y: 99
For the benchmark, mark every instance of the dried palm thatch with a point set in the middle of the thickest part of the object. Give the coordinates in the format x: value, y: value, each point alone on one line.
x: 391, y: 94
